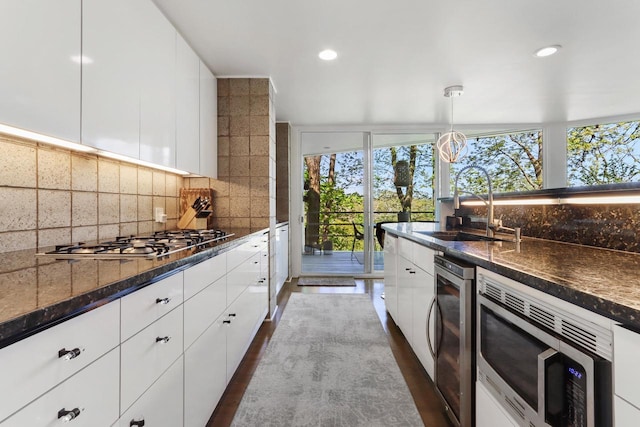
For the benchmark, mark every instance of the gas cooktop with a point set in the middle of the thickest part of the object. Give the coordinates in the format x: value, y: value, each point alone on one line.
x: 156, y: 245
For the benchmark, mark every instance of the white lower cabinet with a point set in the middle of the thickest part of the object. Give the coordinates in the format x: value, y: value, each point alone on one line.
x: 161, y: 405
x: 413, y: 293
x: 205, y: 373
x: 201, y: 310
x: 626, y: 415
x: 89, y: 398
x: 626, y: 376
x: 243, y: 316
x: 146, y: 355
x: 489, y: 413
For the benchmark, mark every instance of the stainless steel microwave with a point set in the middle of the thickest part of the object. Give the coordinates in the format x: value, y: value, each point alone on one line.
x: 541, y: 377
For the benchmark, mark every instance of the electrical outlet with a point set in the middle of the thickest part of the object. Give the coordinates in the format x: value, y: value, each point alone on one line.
x: 160, y: 216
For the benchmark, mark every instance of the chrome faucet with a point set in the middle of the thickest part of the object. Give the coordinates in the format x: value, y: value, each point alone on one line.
x: 488, y: 202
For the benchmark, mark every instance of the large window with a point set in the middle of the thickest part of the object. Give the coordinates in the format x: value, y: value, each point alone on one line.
x: 603, y: 154
x: 513, y: 161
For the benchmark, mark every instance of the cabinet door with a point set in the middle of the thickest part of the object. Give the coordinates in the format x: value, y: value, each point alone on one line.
x: 243, y: 317
x: 390, y: 276
x: 40, y: 72
x: 111, y: 87
x: 205, y: 373
x: 625, y: 364
x: 187, y: 107
x: 201, y: 310
x: 90, y: 397
x: 202, y: 275
x: 626, y: 415
x: 35, y: 364
x: 488, y: 412
x: 423, y: 286
x: 161, y: 405
x: 146, y: 355
x: 157, y: 91
x: 208, y: 123
x: 405, y: 298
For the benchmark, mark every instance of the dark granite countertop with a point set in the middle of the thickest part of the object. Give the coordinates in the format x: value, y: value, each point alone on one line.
x: 38, y: 292
x: 601, y: 280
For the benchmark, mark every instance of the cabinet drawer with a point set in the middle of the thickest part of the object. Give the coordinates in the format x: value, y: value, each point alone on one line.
x: 241, y: 277
x: 36, y: 364
x: 405, y: 248
x: 145, y: 306
x: 423, y: 258
x: 242, y: 253
x: 146, y: 355
x: 201, y: 310
x: 161, y: 405
x: 92, y: 393
x: 202, y: 275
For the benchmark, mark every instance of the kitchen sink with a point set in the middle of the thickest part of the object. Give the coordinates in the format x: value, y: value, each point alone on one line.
x: 459, y: 236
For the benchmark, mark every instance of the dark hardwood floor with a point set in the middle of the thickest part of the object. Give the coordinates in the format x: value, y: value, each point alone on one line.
x: 429, y: 406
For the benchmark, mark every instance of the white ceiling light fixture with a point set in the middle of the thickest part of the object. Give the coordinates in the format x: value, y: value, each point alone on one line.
x: 452, y: 145
x: 547, y: 51
x: 328, y: 55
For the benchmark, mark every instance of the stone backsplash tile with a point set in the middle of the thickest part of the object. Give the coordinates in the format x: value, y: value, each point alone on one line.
x: 159, y: 184
x: 240, y: 186
x: 108, y: 231
x: 128, y: 179
x: 17, y: 164
x: 145, y: 182
x: 259, y: 125
x: 128, y: 228
x: 259, y: 145
x: 259, y: 86
x: 223, y: 87
x: 613, y: 227
x: 54, y: 169
x: 145, y: 207
x: 84, y: 234
x: 238, y: 87
x: 84, y: 173
x: 84, y: 208
x: 128, y: 208
x: 239, y: 166
x: 54, y: 209
x: 239, y: 106
x: 18, y: 210
x: 239, y: 146
x: 54, y: 236
x: 18, y: 240
x: 108, y: 208
x: 260, y: 105
x: 239, y: 126
x: 108, y: 176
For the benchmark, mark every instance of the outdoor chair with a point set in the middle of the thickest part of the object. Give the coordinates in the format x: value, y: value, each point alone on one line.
x: 357, y: 235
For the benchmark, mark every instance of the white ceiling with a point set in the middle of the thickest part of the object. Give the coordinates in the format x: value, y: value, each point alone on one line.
x: 396, y: 57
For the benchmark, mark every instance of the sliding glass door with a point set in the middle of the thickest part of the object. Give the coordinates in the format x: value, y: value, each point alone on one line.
x: 350, y: 189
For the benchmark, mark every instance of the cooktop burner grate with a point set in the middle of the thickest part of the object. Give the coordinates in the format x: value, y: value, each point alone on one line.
x: 158, y: 244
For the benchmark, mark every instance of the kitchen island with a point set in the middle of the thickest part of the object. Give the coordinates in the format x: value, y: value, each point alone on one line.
x: 604, y: 281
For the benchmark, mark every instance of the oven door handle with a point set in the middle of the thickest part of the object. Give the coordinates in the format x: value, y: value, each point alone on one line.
x: 433, y: 353
x: 543, y: 359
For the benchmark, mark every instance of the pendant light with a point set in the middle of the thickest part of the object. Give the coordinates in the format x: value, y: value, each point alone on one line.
x: 452, y: 145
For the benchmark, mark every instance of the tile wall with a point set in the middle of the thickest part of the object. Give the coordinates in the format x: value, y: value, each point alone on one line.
x: 283, y: 134
x: 54, y: 196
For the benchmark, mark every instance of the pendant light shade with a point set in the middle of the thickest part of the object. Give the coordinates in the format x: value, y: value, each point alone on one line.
x: 452, y: 145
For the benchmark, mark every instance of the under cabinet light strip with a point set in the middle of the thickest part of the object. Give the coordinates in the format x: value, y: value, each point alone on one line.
x: 575, y: 200
x: 75, y: 146
x: 38, y: 137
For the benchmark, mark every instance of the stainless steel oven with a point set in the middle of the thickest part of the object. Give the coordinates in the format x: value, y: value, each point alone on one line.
x: 545, y: 365
x: 454, y: 349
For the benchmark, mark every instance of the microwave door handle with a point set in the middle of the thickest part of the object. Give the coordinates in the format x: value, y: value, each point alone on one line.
x: 430, y: 347
x: 542, y: 380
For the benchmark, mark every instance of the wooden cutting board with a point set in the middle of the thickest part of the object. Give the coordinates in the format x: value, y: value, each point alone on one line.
x: 187, y: 213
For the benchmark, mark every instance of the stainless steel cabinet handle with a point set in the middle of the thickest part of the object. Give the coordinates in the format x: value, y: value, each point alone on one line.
x: 433, y: 353
x: 231, y: 315
x: 412, y: 272
x: 67, y: 416
x: 163, y: 300
x: 134, y: 423
x: 163, y: 340
x: 68, y: 354
x: 228, y: 322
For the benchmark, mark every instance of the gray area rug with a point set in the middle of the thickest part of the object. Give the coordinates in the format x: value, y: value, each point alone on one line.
x: 326, y: 281
x: 328, y: 364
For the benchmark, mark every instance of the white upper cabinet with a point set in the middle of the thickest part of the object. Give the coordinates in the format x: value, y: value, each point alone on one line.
x: 40, y: 71
x: 111, y: 82
x: 157, y: 88
x: 187, y: 107
x: 208, y: 123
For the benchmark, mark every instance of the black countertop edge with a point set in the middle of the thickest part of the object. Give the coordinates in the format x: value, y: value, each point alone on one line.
x: 627, y: 316
x: 44, y: 318
x: 282, y: 224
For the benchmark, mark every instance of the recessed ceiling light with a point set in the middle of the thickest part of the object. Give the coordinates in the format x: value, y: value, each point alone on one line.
x: 328, y: 55
x: 547, y: 51
x: 81, y: 59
